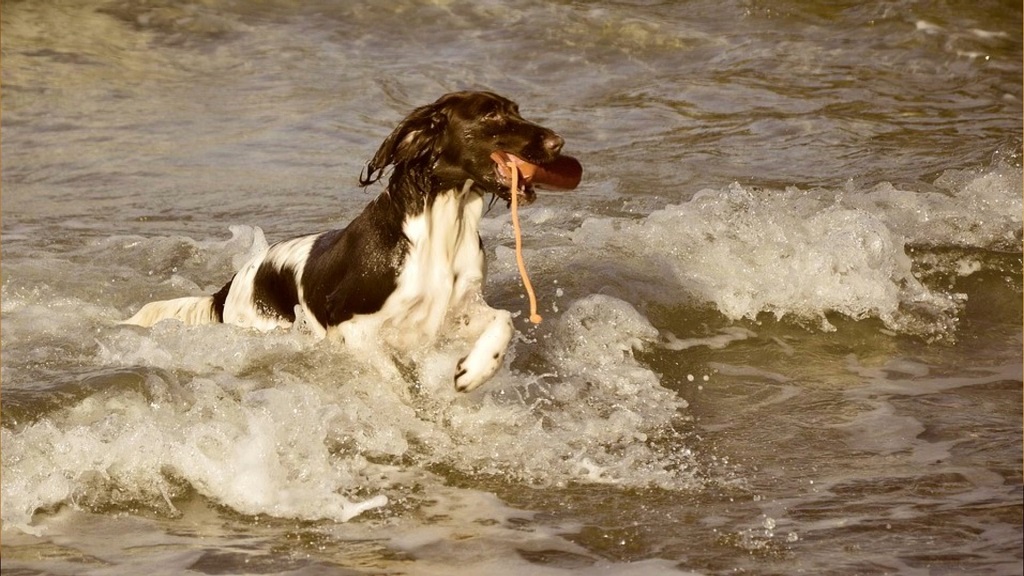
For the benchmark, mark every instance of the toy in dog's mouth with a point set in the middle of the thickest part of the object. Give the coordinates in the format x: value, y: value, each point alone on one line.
x: 562, y: 173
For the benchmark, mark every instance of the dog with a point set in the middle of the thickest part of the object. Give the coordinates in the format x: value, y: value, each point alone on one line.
x: 412, y: 262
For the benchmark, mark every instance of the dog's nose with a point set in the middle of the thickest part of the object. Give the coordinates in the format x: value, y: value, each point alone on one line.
x: 553, y: 143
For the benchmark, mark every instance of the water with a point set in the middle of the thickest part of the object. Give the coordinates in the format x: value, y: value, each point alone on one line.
x: 782, y: 312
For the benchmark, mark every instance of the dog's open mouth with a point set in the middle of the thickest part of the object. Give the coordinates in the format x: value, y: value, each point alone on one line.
x: 562, y: 173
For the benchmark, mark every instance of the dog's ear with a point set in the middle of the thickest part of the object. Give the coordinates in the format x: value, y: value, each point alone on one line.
x: 415, y: 142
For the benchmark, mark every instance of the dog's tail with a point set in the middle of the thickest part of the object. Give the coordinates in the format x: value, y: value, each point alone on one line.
x: 191, y: 310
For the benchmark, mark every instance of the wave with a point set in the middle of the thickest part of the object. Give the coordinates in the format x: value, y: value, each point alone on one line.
x: 808, y: 254
x: 287, y: 426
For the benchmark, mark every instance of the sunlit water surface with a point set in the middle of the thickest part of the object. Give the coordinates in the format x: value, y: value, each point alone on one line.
x: 782, y: 312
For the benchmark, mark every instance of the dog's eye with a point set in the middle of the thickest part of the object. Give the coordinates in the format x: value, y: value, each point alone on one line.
x: 492, y: 116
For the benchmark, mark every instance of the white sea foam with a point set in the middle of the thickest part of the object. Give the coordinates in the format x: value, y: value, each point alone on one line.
x: 286, y: 425
x: 725, y: 337
x: 806, y: 254
x: 968, y: 208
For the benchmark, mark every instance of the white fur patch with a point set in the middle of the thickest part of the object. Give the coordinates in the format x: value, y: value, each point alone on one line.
x: 239, y: 308
x: 442, y: 276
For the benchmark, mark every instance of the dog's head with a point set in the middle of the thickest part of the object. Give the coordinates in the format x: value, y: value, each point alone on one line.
x: 472, y: 136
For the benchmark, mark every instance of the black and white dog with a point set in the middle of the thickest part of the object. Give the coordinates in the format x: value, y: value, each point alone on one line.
x: 412, y: 262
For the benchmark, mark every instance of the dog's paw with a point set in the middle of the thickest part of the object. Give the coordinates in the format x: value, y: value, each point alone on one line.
x: 474, y: 370
x: 487, y: 354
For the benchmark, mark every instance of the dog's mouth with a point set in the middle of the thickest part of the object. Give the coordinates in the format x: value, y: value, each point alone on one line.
x: 562, y: 173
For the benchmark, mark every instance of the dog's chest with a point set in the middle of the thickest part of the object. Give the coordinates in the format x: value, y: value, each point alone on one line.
x: 443, y: 267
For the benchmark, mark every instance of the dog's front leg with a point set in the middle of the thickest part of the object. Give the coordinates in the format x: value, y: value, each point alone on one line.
x: 488, y: 351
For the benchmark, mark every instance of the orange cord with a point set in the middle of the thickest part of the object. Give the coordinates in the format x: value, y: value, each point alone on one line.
x: 534, y: 317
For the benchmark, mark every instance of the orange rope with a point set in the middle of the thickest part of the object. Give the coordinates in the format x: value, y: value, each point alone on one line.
x: 534, y: 317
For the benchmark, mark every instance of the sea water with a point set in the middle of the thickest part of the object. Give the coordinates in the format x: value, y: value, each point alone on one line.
x: 782, y: 313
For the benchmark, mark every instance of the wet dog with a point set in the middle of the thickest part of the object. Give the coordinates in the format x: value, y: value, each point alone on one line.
x: 412, y: 262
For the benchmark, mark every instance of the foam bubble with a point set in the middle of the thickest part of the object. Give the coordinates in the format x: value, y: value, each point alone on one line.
x: 725, y: 337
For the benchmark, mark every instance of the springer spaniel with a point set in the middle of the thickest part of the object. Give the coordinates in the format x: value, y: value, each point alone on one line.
x: 412, y: 262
